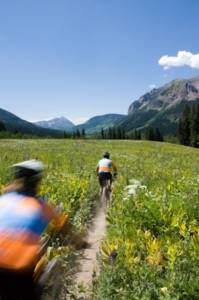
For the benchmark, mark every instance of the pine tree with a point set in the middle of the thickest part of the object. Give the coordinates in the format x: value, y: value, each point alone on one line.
x: 157, y: 135
x: 194, y: 125
x: 110, y: 135
x: 2, y: 126
x: 138, y: 135
x: 65, y: 135
x: 184, y: 126
x: 149, y: 133
x: 123, y: 134
x: 119, y: 133
x: 78, y: 135
x: 102, y: 134
x: 83, y: 133
x: 74, y: 135
x: 135, y: 134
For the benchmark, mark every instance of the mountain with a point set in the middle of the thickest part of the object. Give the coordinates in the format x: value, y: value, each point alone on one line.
x: 58, y: 123
x: 163, y: 106
x: 95, y: 124
x: 15, y: 124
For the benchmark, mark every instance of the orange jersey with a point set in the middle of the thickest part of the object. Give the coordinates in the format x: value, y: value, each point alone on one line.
x: 106, y: 165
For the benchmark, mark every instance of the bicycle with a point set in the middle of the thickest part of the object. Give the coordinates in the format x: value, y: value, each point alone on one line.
x: 106, y: 188
x: 105, y: 191
x: 49, y: 274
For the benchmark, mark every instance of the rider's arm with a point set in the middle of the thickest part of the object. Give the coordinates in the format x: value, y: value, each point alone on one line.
x: 97, y: 169
x: 114, y: 167
x: 56, y: 219
x: 59, y: 223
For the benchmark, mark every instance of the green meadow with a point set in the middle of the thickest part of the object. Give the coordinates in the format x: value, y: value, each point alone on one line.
x: 151, y: 248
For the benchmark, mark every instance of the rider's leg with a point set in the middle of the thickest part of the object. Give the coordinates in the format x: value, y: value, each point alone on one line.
x: 101, y: 184
x: 110, y: 182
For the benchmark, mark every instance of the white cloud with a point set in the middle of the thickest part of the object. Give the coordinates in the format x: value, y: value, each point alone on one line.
x: 152, y: 86
x: 79, y: 120
x: 183, y: 58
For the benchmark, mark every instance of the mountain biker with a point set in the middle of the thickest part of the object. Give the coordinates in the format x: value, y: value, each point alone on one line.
x: 23, y: 218
x: 104, y: 169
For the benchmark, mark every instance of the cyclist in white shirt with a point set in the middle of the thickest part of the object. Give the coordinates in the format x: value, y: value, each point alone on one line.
x: 105, y: 167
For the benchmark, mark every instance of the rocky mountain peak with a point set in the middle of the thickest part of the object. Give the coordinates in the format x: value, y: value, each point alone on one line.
x: 174, y: 92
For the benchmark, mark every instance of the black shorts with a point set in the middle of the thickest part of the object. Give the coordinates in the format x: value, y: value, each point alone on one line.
x: 14, y: 286
x: 103, y: 177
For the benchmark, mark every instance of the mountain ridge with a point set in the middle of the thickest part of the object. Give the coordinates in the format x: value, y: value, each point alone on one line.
x: 59, y: 123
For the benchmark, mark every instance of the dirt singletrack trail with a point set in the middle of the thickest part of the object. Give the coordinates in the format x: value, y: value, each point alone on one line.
x: 87, y: 263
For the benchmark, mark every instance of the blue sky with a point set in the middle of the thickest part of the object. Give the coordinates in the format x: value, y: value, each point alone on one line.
x: 81, y: 58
